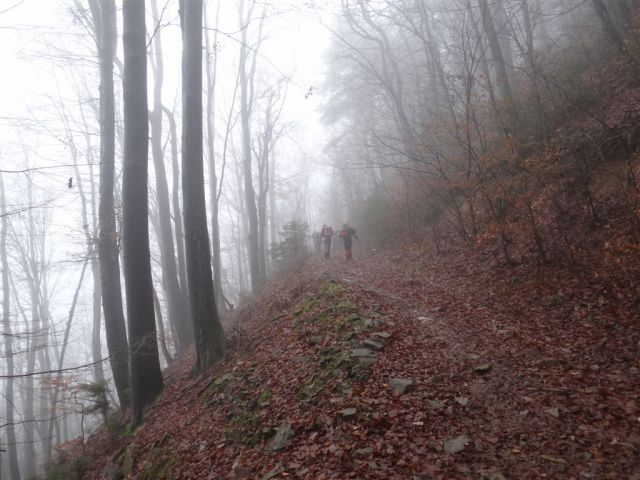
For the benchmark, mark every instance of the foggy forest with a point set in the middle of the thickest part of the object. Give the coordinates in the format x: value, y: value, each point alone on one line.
x: 367, y: 239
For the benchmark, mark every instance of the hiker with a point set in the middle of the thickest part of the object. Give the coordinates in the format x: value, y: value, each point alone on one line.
x: 327, y: 236
x: 317, y: 242
x: 347, y: 233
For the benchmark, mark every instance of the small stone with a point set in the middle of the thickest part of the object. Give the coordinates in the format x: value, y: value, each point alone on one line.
x: 282, y: 436
x: 456, y: 445
x: 363, y: 452
x: 383, y: 335
x: 554, y: 412
x: 362, y: 352
x: 484, y: 368
x: 464, y: 401
x: 372, y: 323
x: 547, y: 362
x: 372, y: 344
x: 348, y: 413
x: 435, y: 404
x: 474, y: 356
x: 401, y: 385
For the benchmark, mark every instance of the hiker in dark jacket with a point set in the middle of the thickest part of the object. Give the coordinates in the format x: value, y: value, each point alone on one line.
x: 327, y: 236
x: 347, y: 233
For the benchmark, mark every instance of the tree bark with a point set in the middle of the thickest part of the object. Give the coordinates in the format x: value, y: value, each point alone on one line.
x: 212, y: 70
x: 146, y: 377
x: 12, y: 452
x: 504, y: 87
x: 105, y: 15
x: 249, y: 191
x: 176, y: 299
x: 208, y: 333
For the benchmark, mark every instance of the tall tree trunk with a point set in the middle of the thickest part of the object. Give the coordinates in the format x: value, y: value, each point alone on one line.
x: 249, y: 191
x: 504, y: 87
x: 177, y: 210
x: 146, y: 377
x: 12, y: 452
x: 212, y: 70
x: 208, y: 333
x: 176, y: 299
x: 104, y: 14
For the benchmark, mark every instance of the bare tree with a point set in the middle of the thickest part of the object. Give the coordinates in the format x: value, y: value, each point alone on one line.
x: 176, y: 298
x: 104, y: 18
x: 209, y: 336
x: 146, y: 377
x: 12, y: 452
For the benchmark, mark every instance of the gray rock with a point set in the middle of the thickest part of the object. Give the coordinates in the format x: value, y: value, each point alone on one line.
x: 484, y: 368
x: 554, y: 412
x: 382, y: 335
x: 401, y: 385
x: 362, y: 352
x: 348, y: 413
x: 463, y: 401
x: 280, y: 439
x: 547, y: 362
x: 364, y: 355
x: 363, y: 452
x: 372, y: 344
x: 435, y: 404
x: 456, y: 445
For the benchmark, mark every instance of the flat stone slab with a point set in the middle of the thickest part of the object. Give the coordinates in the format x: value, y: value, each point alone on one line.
x: 282, y: 436
x: 362, y: 352
x: 348, y: 413
x: 383, y: 335
x: 401, y: 385
x: 482, y: 369
x: 372, y: 344
x: 456, y: 445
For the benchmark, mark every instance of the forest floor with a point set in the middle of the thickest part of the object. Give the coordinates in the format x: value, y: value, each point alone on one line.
x: 403, y: 364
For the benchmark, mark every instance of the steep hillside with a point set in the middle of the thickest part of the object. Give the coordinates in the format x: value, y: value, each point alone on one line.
x: 404, y: 364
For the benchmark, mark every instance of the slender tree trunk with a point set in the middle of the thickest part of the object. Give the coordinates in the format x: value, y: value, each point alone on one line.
x: 208, y: 333
x: 104, y: 14
x: 12, y: 452
x: 65, y: 342
x: 146, y: 377
x: 504, y: 87
x: 249, y: 191
x: 177, y: 210
x: 176, y: 299
x: 212, y: 70
x: 162, y: 339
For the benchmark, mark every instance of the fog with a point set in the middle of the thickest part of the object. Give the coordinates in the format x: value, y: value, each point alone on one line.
x: 343, y: 111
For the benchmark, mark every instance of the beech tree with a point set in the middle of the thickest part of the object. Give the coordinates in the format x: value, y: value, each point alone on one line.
x: 146, y: 377
x: 14, y: 468
x: 209, y: 336
x: 175, y: 292
x: 104, y: 18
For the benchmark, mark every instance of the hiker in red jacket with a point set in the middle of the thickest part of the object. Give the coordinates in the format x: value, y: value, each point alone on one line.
x: 347, y: 233
x: 327, y: 237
